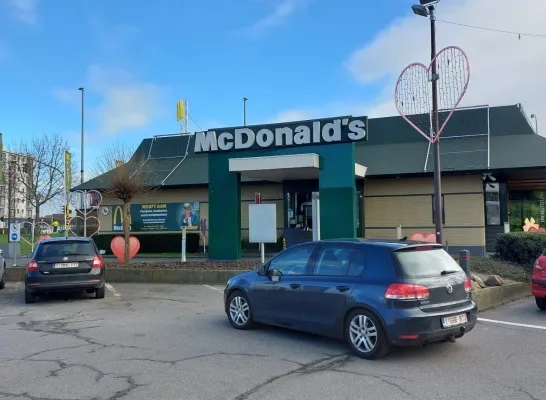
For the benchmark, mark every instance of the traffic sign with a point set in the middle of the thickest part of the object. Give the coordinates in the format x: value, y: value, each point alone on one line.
x: 15, y: 232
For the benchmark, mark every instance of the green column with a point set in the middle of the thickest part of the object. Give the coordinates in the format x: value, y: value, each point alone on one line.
x: 337, y: 191
x: 224, y: 209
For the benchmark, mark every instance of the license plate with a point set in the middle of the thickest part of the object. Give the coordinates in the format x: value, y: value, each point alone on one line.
x: 65, y: 265
x: 454, y: 320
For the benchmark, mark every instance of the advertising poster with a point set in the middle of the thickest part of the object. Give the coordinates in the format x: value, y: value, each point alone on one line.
x: 159, y: 217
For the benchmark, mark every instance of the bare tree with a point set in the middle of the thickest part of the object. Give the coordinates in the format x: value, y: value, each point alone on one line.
x: 127, y: 180
x: 38, y: 168
x: 119, y: 152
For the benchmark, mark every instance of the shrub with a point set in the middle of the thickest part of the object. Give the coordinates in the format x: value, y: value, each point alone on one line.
x: 158, y: 243
x: 520, y: 247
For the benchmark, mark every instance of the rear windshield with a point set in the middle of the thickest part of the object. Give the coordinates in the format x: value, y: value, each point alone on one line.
x: 417, y: 263
x: 65, y: 248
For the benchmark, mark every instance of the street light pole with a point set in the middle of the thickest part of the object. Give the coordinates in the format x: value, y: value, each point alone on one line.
x: 83, y: 199
x: 244, y: 110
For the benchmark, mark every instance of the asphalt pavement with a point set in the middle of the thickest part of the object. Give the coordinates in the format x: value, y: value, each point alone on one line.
x: 165, y: 342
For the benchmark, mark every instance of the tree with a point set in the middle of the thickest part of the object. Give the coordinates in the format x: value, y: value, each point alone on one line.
x: 38, y: 169
x: 117, y: 153
x: 127, y: 180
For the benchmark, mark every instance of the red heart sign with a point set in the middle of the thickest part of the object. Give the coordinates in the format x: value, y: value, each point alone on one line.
x: 413, y: 96
x: 420, y: 237
x: 118, y: 247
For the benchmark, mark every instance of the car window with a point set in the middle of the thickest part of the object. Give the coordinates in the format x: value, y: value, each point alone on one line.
x: 292, y: 261
x: 339, y: 261
x: 65, y: 248
x: 418, y: 262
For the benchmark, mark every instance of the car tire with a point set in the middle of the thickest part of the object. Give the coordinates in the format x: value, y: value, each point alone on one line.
x: 99, y: 293
x: 365, y: 335
x: 30, y: 298
x: 3, y: 281
x: 239, y: 311
x: 541, y: 303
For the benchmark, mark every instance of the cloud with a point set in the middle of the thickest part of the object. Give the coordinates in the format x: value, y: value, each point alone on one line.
x: 24, y: 10
x: 282, y: 11
x: 503, y: 69
x: 124, y: 103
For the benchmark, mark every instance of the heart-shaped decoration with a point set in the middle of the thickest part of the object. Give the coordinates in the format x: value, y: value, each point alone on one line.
x: 421, y: 237
x: 118, y: 247
x: 413, y: 92
x: 89, y: 200
x: 38, y: 227
x: 73, y: 222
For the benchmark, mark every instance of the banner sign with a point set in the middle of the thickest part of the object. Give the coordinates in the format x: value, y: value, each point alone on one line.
x: 67, y: 170
x: 159, y: 217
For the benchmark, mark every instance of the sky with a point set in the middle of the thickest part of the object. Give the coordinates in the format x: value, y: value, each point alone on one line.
x: 292, y: 59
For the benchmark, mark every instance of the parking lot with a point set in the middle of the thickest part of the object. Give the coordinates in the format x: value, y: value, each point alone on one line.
x: 174, y: 342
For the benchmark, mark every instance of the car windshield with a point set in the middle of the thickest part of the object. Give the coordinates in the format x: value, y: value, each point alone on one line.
x: 65, y: 248
x: 417, y: 262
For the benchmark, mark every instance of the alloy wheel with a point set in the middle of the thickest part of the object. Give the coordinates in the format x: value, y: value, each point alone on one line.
x: 363, y: 333
x: 239, y: 310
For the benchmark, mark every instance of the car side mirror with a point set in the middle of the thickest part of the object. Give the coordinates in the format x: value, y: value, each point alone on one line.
x: 274, y: 274
x: 102, y: 252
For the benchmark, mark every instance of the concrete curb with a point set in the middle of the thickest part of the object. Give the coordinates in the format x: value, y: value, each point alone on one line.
x: 491, y: 297
x: 485, y: 298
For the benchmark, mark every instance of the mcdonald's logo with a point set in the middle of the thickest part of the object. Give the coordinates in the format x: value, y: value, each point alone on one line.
x: 117, y: 218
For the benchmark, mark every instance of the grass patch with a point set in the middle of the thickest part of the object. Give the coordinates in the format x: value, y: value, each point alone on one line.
x: 493, y: 266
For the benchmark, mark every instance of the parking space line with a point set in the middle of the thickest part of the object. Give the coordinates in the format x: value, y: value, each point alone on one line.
x: 493, y: 321
x: 213, y: 288
x: 113, y: 290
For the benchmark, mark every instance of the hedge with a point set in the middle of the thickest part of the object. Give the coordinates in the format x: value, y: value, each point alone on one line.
x: 171, y: 243
x: 520, y: 247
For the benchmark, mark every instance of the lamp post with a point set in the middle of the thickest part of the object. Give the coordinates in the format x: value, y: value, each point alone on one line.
x: 426, y: 8
x: 244, y: 110
x: 11, y: 188
x: 534, y: 116
x: 83, y: 199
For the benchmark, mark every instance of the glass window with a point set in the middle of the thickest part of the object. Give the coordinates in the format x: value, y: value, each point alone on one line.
x: 492, y: 204
x: 339, y: 261
x: 416, y: 262
x: 292, y: 261
x: 527, y: 205
x: 65, y: 248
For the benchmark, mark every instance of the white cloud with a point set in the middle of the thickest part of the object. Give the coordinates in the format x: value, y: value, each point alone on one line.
x: 24, y: 10
x: 503, y: 68
x: 281, y: 12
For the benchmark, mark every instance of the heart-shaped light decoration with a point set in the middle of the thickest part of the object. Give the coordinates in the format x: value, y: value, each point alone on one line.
x: 413, y: 92
x: 92, y: 200
x: 40, y: 226
x: 421, y: 237
x: 118, y: 247
x: 74, y: 222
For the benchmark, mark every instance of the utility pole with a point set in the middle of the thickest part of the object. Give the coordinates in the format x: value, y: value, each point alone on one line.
x: 83, y: 204
x: 244, y: 110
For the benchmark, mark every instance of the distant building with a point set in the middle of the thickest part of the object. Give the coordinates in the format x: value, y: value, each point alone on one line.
x: 15, y: 169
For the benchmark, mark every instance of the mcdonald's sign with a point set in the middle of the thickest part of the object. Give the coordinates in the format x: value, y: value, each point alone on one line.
x: 117, y: 219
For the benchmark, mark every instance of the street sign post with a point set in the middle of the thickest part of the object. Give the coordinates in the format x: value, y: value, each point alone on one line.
x: 15, y: 236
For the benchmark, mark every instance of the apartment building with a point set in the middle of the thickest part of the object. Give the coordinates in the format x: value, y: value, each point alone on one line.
x: 15, y: 168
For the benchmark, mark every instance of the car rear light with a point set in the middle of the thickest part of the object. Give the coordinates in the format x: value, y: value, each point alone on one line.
x: 537, y: 264
x: 32, y: 266
x: 468, y: 285
x: 98, y: 262
x: 407, y: 291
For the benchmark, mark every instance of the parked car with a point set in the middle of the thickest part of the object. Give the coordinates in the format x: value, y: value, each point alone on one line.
x: 2, y: 270
x: 65, y: 264
x: 538, y: 281
x: 373, y: 294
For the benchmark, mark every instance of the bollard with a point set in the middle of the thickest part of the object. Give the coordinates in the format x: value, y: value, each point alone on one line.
x: 399, y: 232
x: 464, y: 261
x: 183, y: 253
x: 507, y: 227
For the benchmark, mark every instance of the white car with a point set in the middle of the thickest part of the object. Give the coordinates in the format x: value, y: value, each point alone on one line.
x: 2, y: 270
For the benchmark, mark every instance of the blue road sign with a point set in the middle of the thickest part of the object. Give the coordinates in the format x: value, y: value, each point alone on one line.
x: 14, y: 236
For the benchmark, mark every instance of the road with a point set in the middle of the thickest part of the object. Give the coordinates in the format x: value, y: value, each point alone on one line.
x: 174, y: 342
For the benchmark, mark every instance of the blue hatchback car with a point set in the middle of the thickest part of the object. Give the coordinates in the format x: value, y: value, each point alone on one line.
x: 373, y: 294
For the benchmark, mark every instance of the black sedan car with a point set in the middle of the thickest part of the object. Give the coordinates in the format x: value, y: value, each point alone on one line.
x: 65, y: 264
x: 373, y: 294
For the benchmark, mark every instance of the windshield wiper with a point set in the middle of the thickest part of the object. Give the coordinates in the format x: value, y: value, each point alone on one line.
x: 448, y: 272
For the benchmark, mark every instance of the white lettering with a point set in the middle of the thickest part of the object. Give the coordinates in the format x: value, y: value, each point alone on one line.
x: 357, y: 130
x: 287, y: 132
x: 302, y: 135
x: 331, y: 131
x: 205, y: 141
x: 225, y: 141
x: 316, y: 132
x: 250, y: 136
x: 265, y: 138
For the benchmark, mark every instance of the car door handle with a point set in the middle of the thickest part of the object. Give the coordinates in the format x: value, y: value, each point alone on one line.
x: 342, y: 288
x: 295, y: 285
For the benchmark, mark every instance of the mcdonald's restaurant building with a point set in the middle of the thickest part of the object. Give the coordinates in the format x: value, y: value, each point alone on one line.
x: 371, y: 176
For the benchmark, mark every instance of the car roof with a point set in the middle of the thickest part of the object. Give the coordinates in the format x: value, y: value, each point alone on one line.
x: 63, y: 239
x: 392, y: 244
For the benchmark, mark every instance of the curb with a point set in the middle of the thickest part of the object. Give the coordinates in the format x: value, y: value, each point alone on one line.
x: 487, y: 298
x: 491, y: 297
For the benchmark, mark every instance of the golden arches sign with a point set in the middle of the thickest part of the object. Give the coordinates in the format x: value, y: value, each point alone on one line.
x: 117, y: 217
